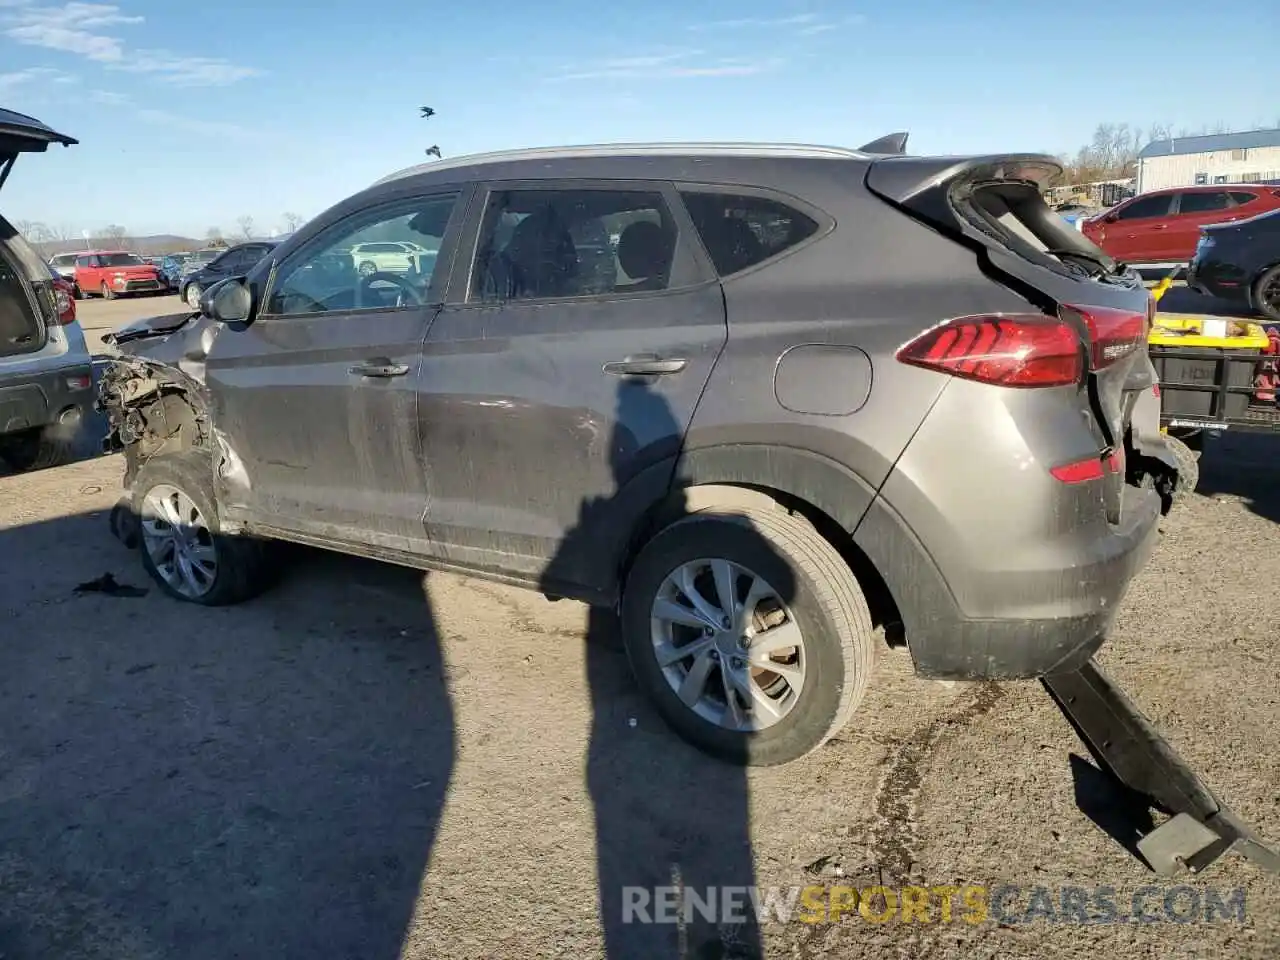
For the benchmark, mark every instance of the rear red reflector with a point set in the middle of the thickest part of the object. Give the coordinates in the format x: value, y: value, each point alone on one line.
x: 1155, y: 390
x: 1021, y: 350
x: 1079, y: 472
x: 1113, y: 334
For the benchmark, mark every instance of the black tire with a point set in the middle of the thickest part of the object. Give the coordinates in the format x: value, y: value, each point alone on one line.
x: 1188, y: 468
x: 37, y: 449
x: 1268, y: 308
x: 186, y: 295
x: 76, y: 292
x: 107, y: 292
x: 244, y: 567
x: 824, y: 598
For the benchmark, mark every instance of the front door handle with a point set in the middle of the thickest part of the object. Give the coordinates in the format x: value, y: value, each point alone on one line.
x: 1160, y: 226
x: 380, y: 367
x: 645, y: 365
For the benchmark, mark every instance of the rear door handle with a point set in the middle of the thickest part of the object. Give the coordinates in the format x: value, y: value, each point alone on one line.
x: 380, y: 368
x: 645, y: 365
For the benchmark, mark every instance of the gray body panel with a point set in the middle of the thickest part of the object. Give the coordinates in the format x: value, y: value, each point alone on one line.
x: 510, y: 451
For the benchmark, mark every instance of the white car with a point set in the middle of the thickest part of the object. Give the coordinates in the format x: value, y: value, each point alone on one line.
x: 399, y: 257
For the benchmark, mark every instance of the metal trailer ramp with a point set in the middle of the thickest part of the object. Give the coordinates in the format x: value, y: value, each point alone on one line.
x: 1123, y: 741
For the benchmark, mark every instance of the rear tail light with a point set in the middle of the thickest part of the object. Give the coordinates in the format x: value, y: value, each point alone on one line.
x: 64, y: 303
x: 1090, y: 468
x: 1018, y: 350
x: 1113, y: 333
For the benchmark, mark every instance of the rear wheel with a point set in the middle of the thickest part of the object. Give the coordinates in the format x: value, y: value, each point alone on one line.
x: 749, y: 633
x: 177, y: 531
x: 36, y: 449
x: 1266, y: 293
x: 1188, y: 468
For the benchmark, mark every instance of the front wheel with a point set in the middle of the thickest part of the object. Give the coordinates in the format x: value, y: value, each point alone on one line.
x: 749, y: 633
x: 182, y: 548
x: 192, y: 296
x: 107, y: 292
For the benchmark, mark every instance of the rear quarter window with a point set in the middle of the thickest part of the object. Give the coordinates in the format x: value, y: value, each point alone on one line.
x: 740, y: 231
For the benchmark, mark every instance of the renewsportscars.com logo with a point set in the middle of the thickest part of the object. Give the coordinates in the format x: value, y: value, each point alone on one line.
x: 972, y: 904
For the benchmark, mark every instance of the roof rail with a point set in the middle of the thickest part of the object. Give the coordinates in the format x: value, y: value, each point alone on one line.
x: 894, y: 144
x: 631, y: 149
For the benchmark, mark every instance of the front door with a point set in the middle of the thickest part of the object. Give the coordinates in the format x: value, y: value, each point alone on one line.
x: 317, y: 397
x: 588, y: 329
x: 1137, y: 233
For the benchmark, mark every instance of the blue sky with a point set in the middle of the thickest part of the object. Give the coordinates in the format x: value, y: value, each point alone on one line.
x: 194, y: 114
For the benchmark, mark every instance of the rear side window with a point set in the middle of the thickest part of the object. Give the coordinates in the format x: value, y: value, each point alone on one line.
x: 1205, y: 202
x: 1153, y: 206
x: 741, y: 231
x: 1241, y: 198
x: 561, y: 244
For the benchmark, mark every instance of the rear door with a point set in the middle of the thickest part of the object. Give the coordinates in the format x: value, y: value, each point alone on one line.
x: 1195, y: 208
x: 1137, y: 235
x: 562, y: 369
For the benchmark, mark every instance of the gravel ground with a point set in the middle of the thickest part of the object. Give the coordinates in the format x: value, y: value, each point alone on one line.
x: 370, y: 763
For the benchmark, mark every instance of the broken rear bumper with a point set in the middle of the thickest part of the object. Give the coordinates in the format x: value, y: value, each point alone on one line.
x: 1124, y: 742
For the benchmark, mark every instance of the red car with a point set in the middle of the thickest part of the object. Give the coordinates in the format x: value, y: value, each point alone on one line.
x: 1163, y: 226
x: 110, y: 273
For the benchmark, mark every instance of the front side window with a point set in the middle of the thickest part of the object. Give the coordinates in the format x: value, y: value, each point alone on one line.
x: 740, y: 231
x: 1153, y: 206
x: 1204, y: 202
x: 339, y: 273
x: 558, y: 244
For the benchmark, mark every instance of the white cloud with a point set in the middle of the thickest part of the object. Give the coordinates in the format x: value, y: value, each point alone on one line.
x: 186, y: 71
x: 174, y: 121
x: 72, y: 28
x: 78, y: 28
x: 797, y: 20
x: 665, y: 66
x: 33, y: 75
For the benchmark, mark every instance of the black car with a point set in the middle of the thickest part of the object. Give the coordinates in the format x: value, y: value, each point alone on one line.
x: 235, y: 261
x: 1240, y: 261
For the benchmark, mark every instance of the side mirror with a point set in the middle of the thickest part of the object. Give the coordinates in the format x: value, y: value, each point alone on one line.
x: 227, y: 301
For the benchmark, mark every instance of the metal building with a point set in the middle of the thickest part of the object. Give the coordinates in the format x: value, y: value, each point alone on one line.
x: 1250, y: 157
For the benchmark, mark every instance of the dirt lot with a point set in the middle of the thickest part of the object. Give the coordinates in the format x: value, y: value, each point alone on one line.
x: 369, y: 763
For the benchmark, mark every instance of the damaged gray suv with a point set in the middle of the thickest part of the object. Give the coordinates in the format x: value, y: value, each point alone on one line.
x: 779, y: 406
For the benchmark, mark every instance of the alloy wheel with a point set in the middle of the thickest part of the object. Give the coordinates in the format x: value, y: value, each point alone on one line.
x: 728, y: 645
x: 178, y: 541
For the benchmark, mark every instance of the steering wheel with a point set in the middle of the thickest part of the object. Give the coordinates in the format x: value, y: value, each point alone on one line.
x: 408, y: 293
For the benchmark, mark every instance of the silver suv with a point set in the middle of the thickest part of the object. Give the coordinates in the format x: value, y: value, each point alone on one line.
x: 810, y: 401
x: 46, y: 373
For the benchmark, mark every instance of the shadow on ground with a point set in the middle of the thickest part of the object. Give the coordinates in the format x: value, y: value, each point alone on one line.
x: 259, y: 781
x: 1244, y: 465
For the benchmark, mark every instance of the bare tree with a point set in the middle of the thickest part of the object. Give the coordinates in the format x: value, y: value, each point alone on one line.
x: 213, y: 234
x: 38, y: 235
x: 113, y: 234
x: 292, y: 222
x: 244, y: 226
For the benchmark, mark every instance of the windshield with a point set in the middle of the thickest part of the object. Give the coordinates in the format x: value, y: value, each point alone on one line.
x: 122, y: 260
